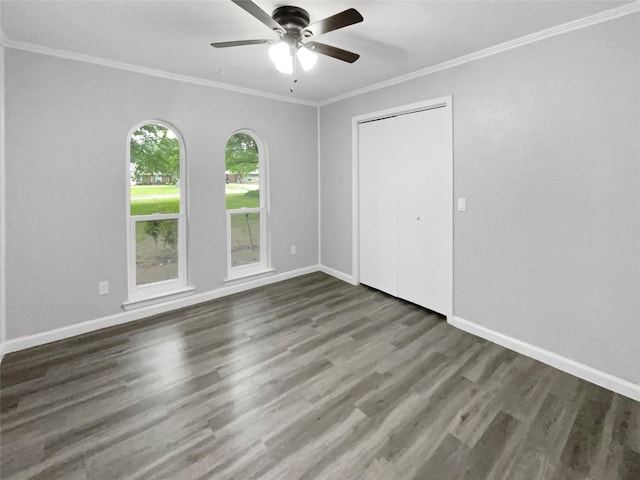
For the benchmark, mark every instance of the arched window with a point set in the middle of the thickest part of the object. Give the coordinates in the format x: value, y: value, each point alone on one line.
x: 156, y: 211
x: 246, y: 200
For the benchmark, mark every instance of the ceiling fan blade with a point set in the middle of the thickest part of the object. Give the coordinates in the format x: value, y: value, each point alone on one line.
x: 239, y: 43
x: 331, y: 51
x: 334, y: 22
x: 253, y: 9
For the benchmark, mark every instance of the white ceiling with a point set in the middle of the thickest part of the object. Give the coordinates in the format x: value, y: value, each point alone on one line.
x: 396, y: 37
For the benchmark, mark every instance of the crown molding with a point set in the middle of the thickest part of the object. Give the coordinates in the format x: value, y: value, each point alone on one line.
x: 595, y: 19
x: 81, y: 57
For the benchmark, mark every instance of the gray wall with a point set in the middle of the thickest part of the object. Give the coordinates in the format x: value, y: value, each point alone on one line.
x: 3, y: 257
x: 546, y: 152
x: 67, y: 124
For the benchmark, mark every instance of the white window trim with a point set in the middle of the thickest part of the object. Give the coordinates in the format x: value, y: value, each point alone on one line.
x: 157, y: 291
x: 161, y: 298
x: 249, y: 272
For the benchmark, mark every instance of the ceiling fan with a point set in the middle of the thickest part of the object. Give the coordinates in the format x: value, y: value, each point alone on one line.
x: 292, y: 26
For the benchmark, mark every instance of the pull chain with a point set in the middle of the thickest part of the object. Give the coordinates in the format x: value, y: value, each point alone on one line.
x: 294, y: 74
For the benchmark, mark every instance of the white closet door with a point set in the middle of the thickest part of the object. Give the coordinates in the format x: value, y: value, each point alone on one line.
x: 378, y: 206
x: 425, y: 210
x: 405, y: 207
x: 368, y: 206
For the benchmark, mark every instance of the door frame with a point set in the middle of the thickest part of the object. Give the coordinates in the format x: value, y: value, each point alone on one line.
x: 445, y: 102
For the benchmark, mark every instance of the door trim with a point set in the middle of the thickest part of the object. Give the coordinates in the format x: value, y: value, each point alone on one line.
x: 440, y: 102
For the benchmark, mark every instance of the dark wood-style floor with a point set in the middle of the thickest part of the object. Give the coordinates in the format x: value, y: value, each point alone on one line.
x: 309, y: 378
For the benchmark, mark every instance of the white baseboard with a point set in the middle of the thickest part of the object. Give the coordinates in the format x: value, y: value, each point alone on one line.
x: 605, y: 380
x: 339, y: 275
x: 29, y: 341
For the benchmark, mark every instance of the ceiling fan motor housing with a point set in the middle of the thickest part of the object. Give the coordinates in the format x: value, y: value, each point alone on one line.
x: 293, y: 19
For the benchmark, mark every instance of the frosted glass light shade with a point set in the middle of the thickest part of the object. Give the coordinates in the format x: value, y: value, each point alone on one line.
x: 279, y: 52
x: 307, y: 58
x: 280, y: 55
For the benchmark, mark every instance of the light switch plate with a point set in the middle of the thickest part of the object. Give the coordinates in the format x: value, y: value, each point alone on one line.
x: 462, y: 204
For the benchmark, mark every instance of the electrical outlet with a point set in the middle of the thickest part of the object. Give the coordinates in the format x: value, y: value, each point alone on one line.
x: 103, y: 287
x: 293, y: 249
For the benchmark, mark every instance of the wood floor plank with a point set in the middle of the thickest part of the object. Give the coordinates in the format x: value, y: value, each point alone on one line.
x: 310, y: 378
x: 579, y: 453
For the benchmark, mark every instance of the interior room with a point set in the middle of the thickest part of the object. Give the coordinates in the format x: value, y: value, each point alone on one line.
x: 423, y: 262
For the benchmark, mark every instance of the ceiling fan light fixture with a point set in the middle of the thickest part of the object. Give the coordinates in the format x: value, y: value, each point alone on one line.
x: 285, y: 67
x: 307, y: 58
x: 280, y: 55
x: 279, y: 52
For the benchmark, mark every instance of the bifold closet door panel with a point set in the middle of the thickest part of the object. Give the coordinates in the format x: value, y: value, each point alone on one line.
x: 424, y: 213
x: 378, y: 178
x: 368, y: 207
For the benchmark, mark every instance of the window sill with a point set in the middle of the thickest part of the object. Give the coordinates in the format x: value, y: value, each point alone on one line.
x: 249, y: 276
x: 134, y: 303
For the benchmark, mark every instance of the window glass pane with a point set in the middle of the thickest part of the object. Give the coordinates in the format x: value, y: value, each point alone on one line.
x: 242, y: 173
x: 154, y: 170
x: 156, y: 251
x: 245, y: 238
